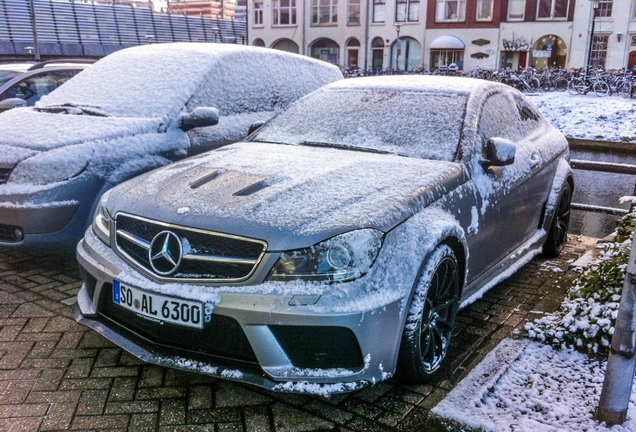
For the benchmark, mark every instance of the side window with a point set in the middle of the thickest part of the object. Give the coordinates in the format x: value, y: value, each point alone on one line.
x: 530, y: 119
x: 33, y: 88
x: 499, y: 119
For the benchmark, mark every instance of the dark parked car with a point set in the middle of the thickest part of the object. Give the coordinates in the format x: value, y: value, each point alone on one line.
x: 135, y: 110
x: 334, y: 248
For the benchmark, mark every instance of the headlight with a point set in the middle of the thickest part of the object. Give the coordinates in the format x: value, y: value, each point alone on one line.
x: 341, y: 258
x: 52, y: 166
x: 102, y: 220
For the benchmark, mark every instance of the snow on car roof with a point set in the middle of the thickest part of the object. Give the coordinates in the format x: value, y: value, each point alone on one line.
x: 430, y: 83
x: 158, y: 80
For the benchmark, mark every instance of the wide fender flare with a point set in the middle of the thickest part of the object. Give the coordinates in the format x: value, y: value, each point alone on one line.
x: 563, y: 174
x: 419, y: 236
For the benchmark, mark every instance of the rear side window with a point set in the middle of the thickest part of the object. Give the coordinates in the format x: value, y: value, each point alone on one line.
x: 530, y: 118
x: 499, y: 118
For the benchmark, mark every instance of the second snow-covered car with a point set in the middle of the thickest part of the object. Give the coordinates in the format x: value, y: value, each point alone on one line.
x: 135, y: 110
x: 335, y: 247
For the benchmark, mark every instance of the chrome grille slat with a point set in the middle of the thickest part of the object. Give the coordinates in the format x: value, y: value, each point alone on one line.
x: 210, y: 256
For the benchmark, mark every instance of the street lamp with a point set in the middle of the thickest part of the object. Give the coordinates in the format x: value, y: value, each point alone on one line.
x: 397, y: 48
x: 589, y: 48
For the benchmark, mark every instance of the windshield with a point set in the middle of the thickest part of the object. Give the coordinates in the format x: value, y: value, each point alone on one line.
x: 410, y: 123
x: 150, y: 83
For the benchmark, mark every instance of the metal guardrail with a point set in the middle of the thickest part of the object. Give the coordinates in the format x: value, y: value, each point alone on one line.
x: 70, y: 28
x: 614, y: 168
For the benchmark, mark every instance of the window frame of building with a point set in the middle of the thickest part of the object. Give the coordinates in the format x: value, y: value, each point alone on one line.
x: 258, y: 12
x: 516, y: 17
x: 279, y: 11
x: 353, y: 12
x: 444, y: 11
x: 605, y: 8
x: 379, y: 7
x: 480, y: 8
x: 449, y: 55
x: 599, y: 50
x: 324, y: 12
x: 407, y: 10
x: 555, y: 5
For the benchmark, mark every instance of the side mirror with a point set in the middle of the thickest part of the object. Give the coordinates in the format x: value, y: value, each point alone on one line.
x: 199, y: 117
x: 10, y: 103
x: 255, y: 126
x: 499, y: 152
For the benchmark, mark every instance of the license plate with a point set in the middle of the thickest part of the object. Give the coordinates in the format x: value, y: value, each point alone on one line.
x: 157, y: 307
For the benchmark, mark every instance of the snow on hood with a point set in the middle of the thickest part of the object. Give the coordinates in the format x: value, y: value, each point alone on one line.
x: 23, y: 132
x: 290, y: 196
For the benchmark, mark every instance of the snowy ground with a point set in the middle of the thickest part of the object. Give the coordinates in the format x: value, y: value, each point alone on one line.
x: 526, y: 386
x: 610, y: 118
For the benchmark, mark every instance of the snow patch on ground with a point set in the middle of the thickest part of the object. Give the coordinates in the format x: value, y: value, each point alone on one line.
x: 588, y: 116
x: 527, y: 386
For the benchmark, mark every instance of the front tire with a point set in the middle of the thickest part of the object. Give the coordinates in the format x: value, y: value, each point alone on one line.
x: 431, y: 318
x: 558, y: 234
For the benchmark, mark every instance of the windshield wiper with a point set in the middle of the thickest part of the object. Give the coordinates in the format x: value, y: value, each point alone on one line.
x: 73, y: 109
x: 343, y: 147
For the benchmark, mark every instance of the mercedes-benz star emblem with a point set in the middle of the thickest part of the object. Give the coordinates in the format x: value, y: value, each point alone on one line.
x: 165, y: 253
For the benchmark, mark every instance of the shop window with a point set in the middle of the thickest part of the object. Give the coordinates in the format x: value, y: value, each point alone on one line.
x: 444, y: 58
x: 450, y: 10
x: 599, y: 50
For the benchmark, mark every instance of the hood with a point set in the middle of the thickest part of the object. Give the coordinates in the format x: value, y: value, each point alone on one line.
x: 25, y: 132
x: 289, y: 196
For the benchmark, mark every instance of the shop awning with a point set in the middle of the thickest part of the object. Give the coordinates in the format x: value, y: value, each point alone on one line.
x: 447, y: 42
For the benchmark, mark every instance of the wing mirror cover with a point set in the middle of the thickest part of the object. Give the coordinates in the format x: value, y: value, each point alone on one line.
x: 499, y: 152
x: 11, y: 103
x: 199, y: 117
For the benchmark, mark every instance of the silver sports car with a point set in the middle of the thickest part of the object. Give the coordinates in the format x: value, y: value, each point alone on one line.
x: 334, y: 247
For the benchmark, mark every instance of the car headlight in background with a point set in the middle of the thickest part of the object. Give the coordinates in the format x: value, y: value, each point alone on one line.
x: 52, y: 166
x: 102, y: 221
x: 341, y: 258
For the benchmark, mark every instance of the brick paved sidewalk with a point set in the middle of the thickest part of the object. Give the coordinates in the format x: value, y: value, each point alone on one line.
x: 57, y: 375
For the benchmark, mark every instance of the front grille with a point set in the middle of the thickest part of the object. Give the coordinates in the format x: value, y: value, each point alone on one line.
x: 205, y: 255
x: 4, y: 174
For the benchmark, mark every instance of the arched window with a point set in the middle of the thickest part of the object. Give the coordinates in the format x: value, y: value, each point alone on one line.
x: 326, y: 50
x: 258, y: 42
x: 377, y: 49
x: 286, y: 45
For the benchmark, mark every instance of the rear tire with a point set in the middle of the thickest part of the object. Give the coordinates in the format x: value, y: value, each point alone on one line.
x: 601, y: 88
x: 431, y: 318
x: 558, y: 234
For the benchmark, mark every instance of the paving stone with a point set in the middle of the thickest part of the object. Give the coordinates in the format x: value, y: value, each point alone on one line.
x: 257, y: 419
x: 172, y: 412
x: 100, y: 422
x: 231, y: 395
x: 288, y: 419
x: 92, y: 402
x: 143, y: 422
x: 59, y: 416
x: 123, y: 389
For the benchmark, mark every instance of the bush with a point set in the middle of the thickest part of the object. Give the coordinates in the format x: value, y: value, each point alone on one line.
x: 588, y: 313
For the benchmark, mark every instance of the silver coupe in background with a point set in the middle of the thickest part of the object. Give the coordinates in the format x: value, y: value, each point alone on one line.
x: 334, y: 247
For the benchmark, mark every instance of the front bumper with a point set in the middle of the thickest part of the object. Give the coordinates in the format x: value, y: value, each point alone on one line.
x: 279, y: 341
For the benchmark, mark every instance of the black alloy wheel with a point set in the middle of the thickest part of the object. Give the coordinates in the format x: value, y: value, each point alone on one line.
x: 558, y: 234
x: 430, y: 322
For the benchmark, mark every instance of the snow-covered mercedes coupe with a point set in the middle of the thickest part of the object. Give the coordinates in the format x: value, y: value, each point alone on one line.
x: 333, y: 248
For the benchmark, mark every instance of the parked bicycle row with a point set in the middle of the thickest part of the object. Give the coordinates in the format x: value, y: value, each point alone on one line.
x: 529, y: 80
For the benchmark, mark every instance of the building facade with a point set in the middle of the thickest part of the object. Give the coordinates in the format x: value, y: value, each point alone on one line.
x: 413, y: 34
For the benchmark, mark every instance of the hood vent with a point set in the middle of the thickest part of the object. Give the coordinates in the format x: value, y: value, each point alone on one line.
x: 4, y: 174
x: 258, y: 186
x: 206, y: 179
